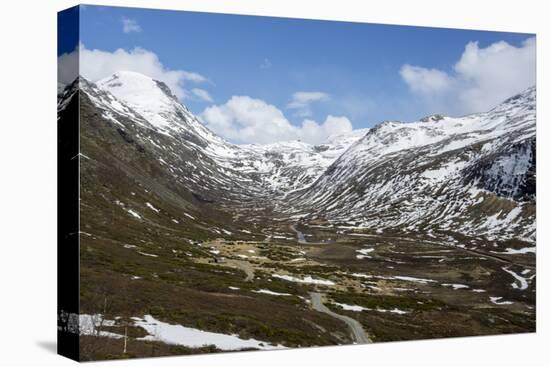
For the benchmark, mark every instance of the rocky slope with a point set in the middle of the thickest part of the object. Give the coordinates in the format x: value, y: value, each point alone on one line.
x: 470, y: 176
x: 473, y: 175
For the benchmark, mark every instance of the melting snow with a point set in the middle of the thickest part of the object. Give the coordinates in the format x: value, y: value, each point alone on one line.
x: 364, y: 253
x: 497, y: 301
x: 455, y: 286
x: 195, y: 338
x: 134, y: 214
x: 413, y: 279
x: 445, y: 171
x: 146, y: 254
x: 393, y: 310
x: 267, y: 291
x: 359, y: 275
x: 524, y: 250
x: 354, y: 308
x: 521, y: 281
x: 150, y: 206
x: 357, y: 308
x: 306, y: 280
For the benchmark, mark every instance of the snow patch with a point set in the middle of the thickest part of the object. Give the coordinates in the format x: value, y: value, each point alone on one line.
x: 150, y: 206
x: 306, y: 280
x: 272, y: 293
x: 455, y: 286
x: 195, y: 338
x: 134, y: 214
x: 497, y: 301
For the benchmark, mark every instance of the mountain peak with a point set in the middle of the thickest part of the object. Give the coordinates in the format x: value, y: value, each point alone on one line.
x: 133, y: 78
x: 151, y: 98
x: 525, y: 99
x: 432, y: 118
x: 124, y: 81
x: 127, y: 74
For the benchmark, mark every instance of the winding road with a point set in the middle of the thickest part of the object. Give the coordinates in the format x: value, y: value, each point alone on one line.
x: 244, y: 266
x: 359, y: 334
x: 299, y: 234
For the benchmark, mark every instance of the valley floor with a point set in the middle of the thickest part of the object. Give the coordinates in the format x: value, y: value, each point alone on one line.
x: 301, y: 285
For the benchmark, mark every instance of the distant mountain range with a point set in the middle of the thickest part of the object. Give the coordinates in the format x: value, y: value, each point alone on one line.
x: 470, y: 179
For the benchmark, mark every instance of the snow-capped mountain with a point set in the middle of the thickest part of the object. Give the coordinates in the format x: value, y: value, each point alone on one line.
x: 473, y: 175
x: 294, y: 165
x: 152, y: 107
x: 164, y: 130
x: 154, y: 101
x: 135, y: 133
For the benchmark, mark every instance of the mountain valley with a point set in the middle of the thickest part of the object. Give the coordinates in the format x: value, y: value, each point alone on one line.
x: 398, y: 232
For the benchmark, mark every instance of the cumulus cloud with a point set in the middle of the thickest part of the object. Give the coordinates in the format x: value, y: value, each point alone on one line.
x: 130, y: 25
x: 97, y: 64
x: 202, y: 94
x: 243, y: 119
x: 425, y: 81
x: 301, y: 101
x: 313, y: 132
x: 481, y: 78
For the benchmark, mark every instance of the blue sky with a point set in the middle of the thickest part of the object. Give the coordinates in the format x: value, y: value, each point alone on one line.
x: 357, y: 68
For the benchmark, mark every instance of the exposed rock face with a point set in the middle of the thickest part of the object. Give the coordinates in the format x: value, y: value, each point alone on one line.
x: 473, y: 175
x: 510, y: 173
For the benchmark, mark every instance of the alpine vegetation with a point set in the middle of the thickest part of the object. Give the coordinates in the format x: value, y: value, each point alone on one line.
x: 192, y: 244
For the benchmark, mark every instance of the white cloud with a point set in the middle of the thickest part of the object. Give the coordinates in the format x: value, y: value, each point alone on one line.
x: 130, y: 25
x: 425, y: 81
x: 67, y: 67
x: 243, y: 119
x: 301, y: 101
x: 192, y: 77
x: 97, y: 64
x: 202, y: 94
x: 481, y: 78
x: 266, y: 64
x: 314, y: 132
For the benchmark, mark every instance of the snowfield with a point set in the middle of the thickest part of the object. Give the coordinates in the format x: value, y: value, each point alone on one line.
x: 172, y: 334
x: 195, y: 338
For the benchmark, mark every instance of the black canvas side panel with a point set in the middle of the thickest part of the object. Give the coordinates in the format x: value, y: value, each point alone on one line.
x: 68, y: 189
